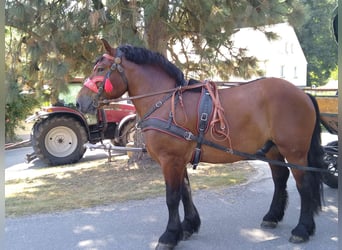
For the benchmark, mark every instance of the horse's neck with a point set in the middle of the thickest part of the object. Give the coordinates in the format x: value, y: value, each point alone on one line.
x: 146, y: 84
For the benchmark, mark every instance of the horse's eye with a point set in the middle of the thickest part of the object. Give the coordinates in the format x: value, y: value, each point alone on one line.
x: 100, y: 69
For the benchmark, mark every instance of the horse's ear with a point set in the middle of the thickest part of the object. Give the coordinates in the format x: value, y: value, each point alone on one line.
x: 108, y: 48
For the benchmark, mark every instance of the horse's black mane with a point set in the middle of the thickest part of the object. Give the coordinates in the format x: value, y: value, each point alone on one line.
x: 140, y: 55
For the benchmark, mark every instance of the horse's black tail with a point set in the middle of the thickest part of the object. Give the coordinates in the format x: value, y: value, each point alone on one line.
x: 315, y: 159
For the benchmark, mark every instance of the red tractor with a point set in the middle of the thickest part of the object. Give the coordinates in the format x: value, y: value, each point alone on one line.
x: 60, y: 132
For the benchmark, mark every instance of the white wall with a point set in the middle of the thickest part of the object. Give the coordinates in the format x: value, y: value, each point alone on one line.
x: 283, y: 58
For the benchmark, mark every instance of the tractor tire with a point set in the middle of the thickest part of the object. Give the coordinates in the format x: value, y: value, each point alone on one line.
x: 59, y: 140
x: 127, y: 133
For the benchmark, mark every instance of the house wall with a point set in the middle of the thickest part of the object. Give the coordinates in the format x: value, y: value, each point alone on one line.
x: 283, y: 57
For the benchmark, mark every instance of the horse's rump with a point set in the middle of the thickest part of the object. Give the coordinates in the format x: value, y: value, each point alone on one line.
x: 268, y: 109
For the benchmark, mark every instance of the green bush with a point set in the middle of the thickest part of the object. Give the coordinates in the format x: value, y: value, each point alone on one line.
x: 16, y: 111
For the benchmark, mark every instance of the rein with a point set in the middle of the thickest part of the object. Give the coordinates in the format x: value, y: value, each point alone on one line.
x: 181, y: 88
x: 189, y: 136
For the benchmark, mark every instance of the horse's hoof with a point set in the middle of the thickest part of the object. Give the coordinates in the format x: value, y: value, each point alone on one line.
x: 297, y: 239
x: 162, y: 246
x: 269, y: 224
x: 186, y: 235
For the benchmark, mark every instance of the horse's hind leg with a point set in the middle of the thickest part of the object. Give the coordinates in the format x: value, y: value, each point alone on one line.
x: 309, y: 183
x: 276, y: 212
x: 308, y: 186
x: 192, y: 221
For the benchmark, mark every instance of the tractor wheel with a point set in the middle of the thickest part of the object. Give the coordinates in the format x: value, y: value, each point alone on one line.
x: 331, y: 160
x: 127, y: 133
x: 59, y: 140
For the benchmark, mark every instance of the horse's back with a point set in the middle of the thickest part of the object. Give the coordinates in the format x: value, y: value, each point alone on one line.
x: 268, y: 96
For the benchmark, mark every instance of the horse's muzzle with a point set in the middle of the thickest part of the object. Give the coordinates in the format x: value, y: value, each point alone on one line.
x: 84, y: 104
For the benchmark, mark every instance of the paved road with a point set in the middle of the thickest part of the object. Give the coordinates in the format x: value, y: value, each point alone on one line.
x: 230, y: 220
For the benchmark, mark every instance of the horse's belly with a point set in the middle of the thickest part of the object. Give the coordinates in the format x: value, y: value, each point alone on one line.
x: 218, y: 156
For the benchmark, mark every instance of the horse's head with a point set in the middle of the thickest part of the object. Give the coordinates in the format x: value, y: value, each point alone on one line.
x: 107, y: 81
x: 136, y: 70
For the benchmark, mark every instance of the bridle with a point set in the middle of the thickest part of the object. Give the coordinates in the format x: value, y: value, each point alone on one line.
x: 106, y: 84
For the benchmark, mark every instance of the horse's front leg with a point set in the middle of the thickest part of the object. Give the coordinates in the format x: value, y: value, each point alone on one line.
x: 174, y: 178
x: 192, y: 221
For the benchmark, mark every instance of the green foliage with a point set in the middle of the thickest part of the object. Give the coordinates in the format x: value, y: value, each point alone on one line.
x: 49, y: 36
x: 334, y: 74
x: 17, y: 108
x: 200, y: 28
x: 317, y: 41
x: 61, y: 48
x: 208, y: 26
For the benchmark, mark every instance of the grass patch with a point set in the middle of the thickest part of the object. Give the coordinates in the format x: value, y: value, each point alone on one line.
x: 95, y: 183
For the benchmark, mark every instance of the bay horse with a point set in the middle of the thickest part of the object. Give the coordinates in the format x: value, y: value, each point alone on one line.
x: 182, y: 125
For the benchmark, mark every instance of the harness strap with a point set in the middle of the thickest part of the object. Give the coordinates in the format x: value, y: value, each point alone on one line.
x: 205, y: 111
x: 170, y: 128
x: 157, y: 105
x: 267, y: 146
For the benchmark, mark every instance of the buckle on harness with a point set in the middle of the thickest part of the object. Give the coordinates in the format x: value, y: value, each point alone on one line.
x: 158, y: 104
x: 188, y: 135
x: 204, y: 117
x: 113, y: 67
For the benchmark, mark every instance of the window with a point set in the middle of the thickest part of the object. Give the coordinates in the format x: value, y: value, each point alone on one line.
x: 282, y: 71
x: 286, y: 48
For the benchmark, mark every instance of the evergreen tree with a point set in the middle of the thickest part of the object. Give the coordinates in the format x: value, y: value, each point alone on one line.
x: 317, y: 40
x: 61, y: 37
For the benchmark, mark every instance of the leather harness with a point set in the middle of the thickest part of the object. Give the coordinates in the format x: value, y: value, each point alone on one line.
x: 204, y: 114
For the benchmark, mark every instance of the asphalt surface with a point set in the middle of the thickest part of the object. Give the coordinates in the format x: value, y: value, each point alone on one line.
x: 230, y: 220
x: 15, y: 158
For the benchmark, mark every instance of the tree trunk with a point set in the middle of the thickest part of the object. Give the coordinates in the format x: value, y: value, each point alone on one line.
x: 156, y: 35
x: 156, y: 30
x: 141, y: 159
